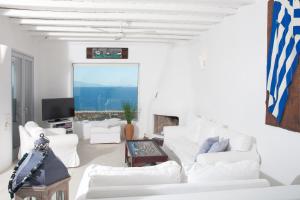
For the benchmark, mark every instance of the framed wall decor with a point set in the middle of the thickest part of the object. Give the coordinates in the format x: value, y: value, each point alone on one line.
x: 106, y: 53
x: 290, y: 119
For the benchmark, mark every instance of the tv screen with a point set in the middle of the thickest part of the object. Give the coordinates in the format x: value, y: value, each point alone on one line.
x: 54, y: 109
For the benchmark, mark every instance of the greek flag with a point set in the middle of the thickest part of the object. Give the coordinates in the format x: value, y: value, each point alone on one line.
x: 283, y: 53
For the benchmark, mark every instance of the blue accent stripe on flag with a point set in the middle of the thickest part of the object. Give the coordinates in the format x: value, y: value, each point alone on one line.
x: 297, y: 13
x: 284, y: 97
x: 276, y: 66
x: 276, y: 10
x: 281, y: 76
x: 296, y: 30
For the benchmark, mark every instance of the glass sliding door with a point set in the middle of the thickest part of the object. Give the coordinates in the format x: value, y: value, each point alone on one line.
x: 22, y: 94
x: 28, y: 91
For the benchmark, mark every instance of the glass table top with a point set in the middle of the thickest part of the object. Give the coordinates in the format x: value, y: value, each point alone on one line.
x: 144, y: 148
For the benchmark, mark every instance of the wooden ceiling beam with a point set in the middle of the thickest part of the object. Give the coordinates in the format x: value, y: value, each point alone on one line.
x: 112, y: 24
x: 46, y: 29
x: 112, y: 35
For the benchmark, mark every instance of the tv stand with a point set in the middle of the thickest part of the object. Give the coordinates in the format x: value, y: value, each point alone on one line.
x: 57, y: 120
x: 62, y: 123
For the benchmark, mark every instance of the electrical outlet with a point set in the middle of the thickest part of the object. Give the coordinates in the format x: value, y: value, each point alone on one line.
x: 7, y: 121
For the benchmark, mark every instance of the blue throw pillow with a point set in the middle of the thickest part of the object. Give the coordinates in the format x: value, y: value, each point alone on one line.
x: 205, y: 147
x: 220, y: 146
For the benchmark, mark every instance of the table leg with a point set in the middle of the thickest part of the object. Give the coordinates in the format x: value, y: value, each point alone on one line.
x: 126, y: 154
x: 132, y: 162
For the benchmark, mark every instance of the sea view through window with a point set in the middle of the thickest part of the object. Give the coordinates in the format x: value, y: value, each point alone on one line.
x: 100, y: 90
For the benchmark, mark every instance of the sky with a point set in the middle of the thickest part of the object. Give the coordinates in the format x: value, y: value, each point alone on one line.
x: 107, y: 74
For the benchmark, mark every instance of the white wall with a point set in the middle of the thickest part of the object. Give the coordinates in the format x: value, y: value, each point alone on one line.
x: 10, y: 38
x: 231, y: 88
x: 55, y: 71
x: 175, y: 92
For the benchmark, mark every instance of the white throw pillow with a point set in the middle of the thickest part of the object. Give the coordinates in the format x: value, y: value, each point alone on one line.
x: 240, y: 143
x: 222, y: 171
x: 237, y: 141
x: 34, y: 130
x: 114, y: 119
x: 165, y: 173
x: 30, y: 125
x: 108, y: 123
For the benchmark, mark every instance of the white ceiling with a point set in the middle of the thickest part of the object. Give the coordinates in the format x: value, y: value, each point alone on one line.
x: 115, y: 20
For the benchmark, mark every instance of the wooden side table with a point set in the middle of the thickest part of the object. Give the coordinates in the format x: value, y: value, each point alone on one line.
x: 61, y: 189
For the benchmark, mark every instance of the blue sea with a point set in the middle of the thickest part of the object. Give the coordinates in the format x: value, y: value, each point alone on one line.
x: 104, y: 98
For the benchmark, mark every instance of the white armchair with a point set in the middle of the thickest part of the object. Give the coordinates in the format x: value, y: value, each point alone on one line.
x: 63, y: 145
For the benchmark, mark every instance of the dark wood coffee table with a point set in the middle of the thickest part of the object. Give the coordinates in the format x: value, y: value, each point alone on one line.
x: 143, y: 152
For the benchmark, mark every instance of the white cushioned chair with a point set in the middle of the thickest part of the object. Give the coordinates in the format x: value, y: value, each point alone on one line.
x: 63, y: 145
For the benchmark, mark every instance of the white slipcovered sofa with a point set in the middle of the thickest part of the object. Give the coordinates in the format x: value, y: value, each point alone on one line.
x: 101, y: 182
x: 183, y: 142
x: 63, y: 145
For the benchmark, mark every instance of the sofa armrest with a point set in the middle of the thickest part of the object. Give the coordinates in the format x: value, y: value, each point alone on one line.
x: 63, y: 140
x: 228, y: 156
x: 55, y: 131
x: 167, y: 189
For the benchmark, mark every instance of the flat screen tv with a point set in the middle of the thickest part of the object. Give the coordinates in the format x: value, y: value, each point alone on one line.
x: 56, y: 109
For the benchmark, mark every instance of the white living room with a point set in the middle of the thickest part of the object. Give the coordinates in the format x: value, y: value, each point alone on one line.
x: 152, y: 100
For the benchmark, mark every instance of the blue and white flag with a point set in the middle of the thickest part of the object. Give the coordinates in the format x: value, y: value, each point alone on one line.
x: 283, y: 53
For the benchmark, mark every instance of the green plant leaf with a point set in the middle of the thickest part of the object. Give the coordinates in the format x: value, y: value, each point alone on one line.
x: 129, y: 112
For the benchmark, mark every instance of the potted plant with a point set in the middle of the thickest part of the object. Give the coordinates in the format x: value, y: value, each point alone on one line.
x: 129, y: 115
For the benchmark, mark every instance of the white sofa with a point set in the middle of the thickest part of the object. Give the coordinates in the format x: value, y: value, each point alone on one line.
x: 183, y: 142
x: 63, y: 145
x: 99, y: 182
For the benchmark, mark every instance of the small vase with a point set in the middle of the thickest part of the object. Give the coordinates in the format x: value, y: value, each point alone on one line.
x: 129, y: 131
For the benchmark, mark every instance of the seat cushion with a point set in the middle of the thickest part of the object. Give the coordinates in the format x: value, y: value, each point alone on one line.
x: 184, y: 150
x: 220, y: 171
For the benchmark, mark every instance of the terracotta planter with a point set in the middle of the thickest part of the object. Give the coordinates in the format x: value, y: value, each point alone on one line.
x: 129, y: 131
